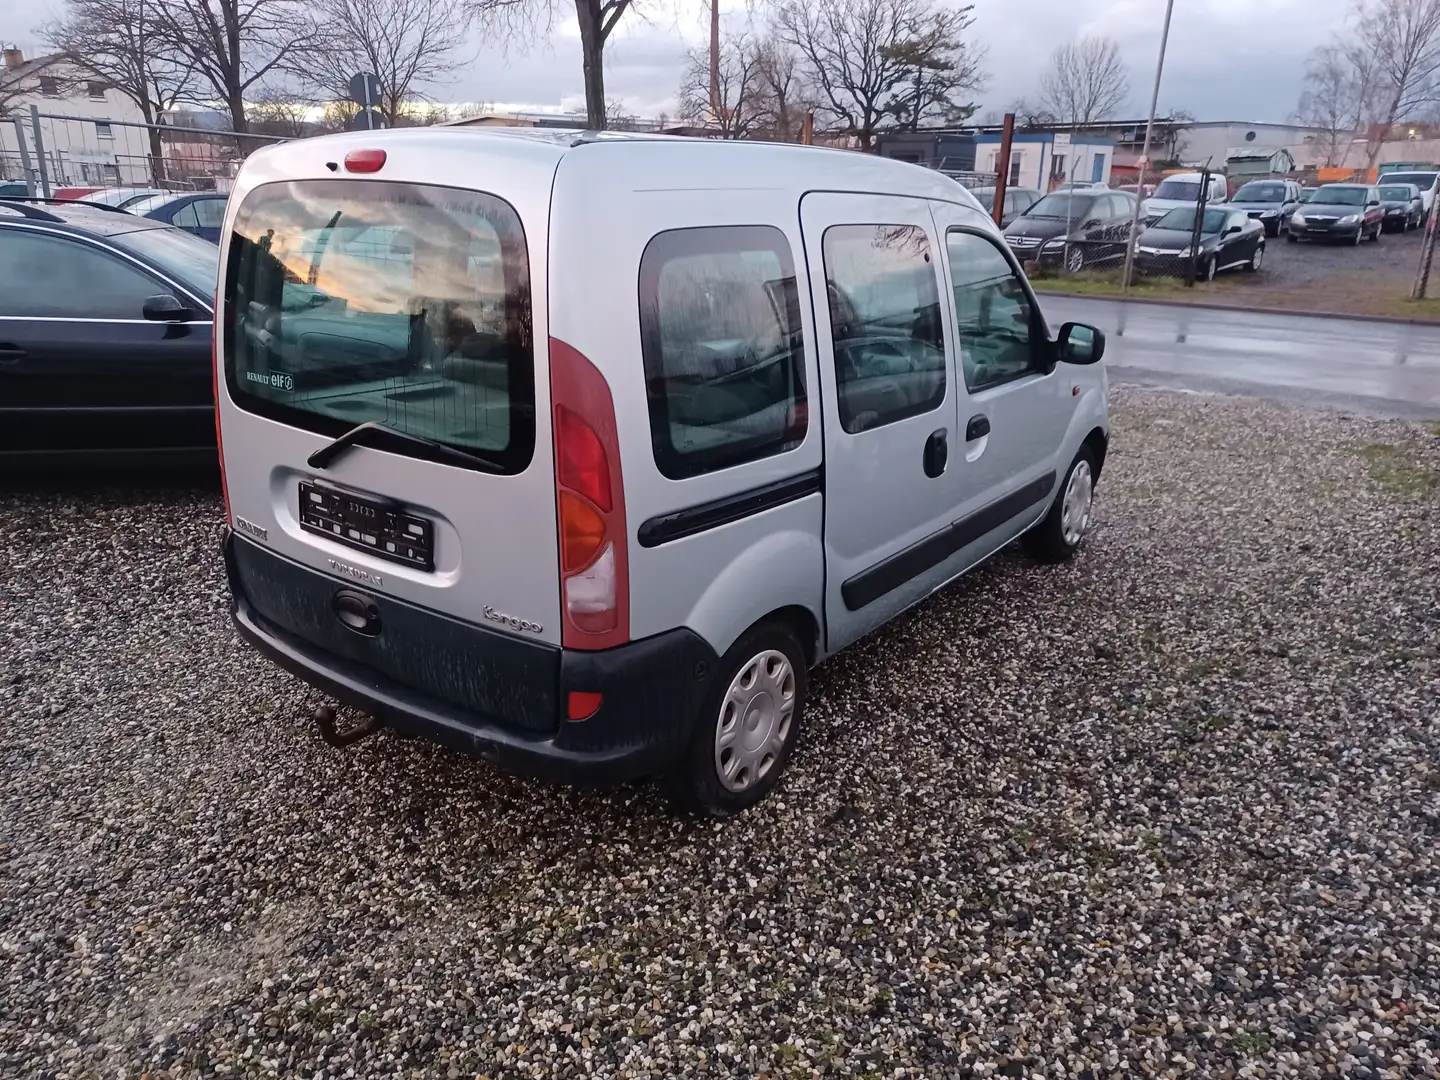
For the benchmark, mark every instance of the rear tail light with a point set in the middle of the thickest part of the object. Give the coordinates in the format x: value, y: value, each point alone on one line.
x: 590, y: 502
x: 364, y: 161
x: 582, y: 704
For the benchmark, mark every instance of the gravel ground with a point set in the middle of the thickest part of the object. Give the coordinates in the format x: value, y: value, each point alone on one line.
x: 1171, y: 810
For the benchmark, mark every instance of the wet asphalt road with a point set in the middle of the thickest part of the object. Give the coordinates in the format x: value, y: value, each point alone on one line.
x: 1378, y: 367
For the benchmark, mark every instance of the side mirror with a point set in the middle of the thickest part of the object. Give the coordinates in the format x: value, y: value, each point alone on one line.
x: 165, y: 308
x: 1231, y: 229
x: 1079, y: 344
x: 1373, y: 202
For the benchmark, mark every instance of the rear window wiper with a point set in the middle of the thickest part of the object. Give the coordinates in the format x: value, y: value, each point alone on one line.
x: 438, y: 451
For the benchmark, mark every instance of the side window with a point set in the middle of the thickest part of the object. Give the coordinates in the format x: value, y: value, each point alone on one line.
x: 44, y: 275
x: 209, y: 213
x: 723, y: 349
x: 186, y: 217
x: 994, y: 319
x: 884, y: 322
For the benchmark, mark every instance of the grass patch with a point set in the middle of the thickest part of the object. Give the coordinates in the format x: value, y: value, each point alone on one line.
x: 1432, y: 426
x: 1395, y: 471
x: 1107, y: 283
x: 1251, y: 1043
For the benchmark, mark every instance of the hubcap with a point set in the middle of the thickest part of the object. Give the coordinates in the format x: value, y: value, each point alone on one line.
x: 1077, y: 261
x: 754, y: 720
x: 1259, y: 255
x: 1075, y: 507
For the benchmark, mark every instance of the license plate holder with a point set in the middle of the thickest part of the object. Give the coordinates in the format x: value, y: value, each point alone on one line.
x: 379, y: 526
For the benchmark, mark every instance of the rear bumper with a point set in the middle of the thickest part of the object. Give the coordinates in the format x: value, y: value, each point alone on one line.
x: 651, y: 696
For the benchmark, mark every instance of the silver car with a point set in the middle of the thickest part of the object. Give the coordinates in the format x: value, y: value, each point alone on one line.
x: 587, y: 495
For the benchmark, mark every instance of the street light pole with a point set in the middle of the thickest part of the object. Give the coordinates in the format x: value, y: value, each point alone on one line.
x: 1145, y: 154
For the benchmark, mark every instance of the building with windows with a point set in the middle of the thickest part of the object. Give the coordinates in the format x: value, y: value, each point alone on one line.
x: 1045, y: 160
x: 84, y: 143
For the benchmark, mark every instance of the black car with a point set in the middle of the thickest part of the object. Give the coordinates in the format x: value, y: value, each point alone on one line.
x: 1270, y: 202
x: 1348, y: 212
x: 1403, y: 205
x: 1074, y: 229
x: 1228, y: 239
x: 105, y: 336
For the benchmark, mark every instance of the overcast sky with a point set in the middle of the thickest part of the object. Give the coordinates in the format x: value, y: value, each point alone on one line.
x: 1227, y: 60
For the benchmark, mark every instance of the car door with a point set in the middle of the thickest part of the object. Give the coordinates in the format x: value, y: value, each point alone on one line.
x: 888, y: 394
x: 81, y: 368
x: 1016, y: 406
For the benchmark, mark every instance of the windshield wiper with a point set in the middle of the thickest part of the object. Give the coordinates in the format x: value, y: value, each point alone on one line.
x: 439, y: 451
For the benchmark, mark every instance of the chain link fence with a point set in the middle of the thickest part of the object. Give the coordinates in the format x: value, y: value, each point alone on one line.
x: 60, y: 156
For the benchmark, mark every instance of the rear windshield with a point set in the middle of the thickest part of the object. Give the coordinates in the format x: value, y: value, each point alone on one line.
x: 351, y: 302
x: 1179, y: 190
x: 1261, y: 193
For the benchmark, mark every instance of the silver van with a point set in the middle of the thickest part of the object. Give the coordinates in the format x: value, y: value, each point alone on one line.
x: 577, y: 452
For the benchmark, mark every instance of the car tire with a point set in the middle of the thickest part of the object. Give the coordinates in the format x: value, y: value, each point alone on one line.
x: 1206, y: 271
x: 1256, y: 258
x: 1075, y: 260
x: 1375, y: 236
x: 748, y: 728
x: 1359, y: 235
x: 1061, y: 532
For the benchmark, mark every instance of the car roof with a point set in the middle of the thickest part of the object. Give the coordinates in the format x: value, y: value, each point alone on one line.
x: 619, y: 156
x: 91, y: 218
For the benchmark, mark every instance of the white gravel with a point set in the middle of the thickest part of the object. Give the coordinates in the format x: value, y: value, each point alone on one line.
x: 1171, y: 810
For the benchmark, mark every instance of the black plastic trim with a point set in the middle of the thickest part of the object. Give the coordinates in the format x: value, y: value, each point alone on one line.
x: 664, y: 528
x: 889, y: 574
x: 651, y: 690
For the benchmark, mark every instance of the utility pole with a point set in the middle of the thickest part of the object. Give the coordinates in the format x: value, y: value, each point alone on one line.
x: 1002, y: 168
x: 717, y: 107
x: 1145, y: 155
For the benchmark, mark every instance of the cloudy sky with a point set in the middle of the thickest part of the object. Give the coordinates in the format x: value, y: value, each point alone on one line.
x: 1227, y: 60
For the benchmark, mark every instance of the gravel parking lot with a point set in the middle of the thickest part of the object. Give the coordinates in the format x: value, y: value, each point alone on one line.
x: 1171, y: 810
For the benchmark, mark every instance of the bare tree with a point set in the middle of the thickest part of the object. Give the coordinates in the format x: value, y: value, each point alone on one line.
x: 278, y: 110
x: 1333, y: 100
x: 597, y: 20
x: 406, y: 43
x: 1402, y: 39
x: 121, y: 43
x: 1085, y: 82
x: 1032, y: 114
x: 873, y: 60
x: 735, y: 110
x: 617, y: 117
x: 783, y: 97
x: 235, y: 44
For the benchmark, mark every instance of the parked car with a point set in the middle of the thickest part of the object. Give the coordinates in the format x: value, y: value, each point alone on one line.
x: 105, y: 336
x: 1306, y: 194
x: 1426, y: 180
x: 1403, y: 205
x: 122, y: 197
x: 13, y: 189
x: 1017, y: 201
x: 71, y: 194
x: 1183, y: 189
x: 428, y: 513
x: 1081, y: 185
x: 1270, y: 202
x: 1228, y: 239
x: 1143, y: 191
x: 1074, y: 229
x: 1340, y: 212
x: 199, y: 213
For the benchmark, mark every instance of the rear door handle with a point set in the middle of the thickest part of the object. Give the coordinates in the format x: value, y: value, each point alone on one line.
x: 9, y: 354
x: 977, y: 428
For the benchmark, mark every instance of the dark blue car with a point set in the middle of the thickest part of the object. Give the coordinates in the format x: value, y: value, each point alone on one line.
x: 198, y: 213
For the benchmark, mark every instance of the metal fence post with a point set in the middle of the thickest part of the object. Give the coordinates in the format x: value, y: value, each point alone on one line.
x: 40, y: 150
x: 25, y: 157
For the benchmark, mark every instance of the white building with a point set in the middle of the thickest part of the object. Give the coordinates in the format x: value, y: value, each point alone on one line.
x: 82, y: 128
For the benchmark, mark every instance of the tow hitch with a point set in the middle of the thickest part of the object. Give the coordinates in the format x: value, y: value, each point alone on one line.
x: 333, y: 736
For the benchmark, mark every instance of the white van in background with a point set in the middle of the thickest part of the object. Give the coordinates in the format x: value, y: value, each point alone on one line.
x: 578, y: 451
x: 1183, y: 189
